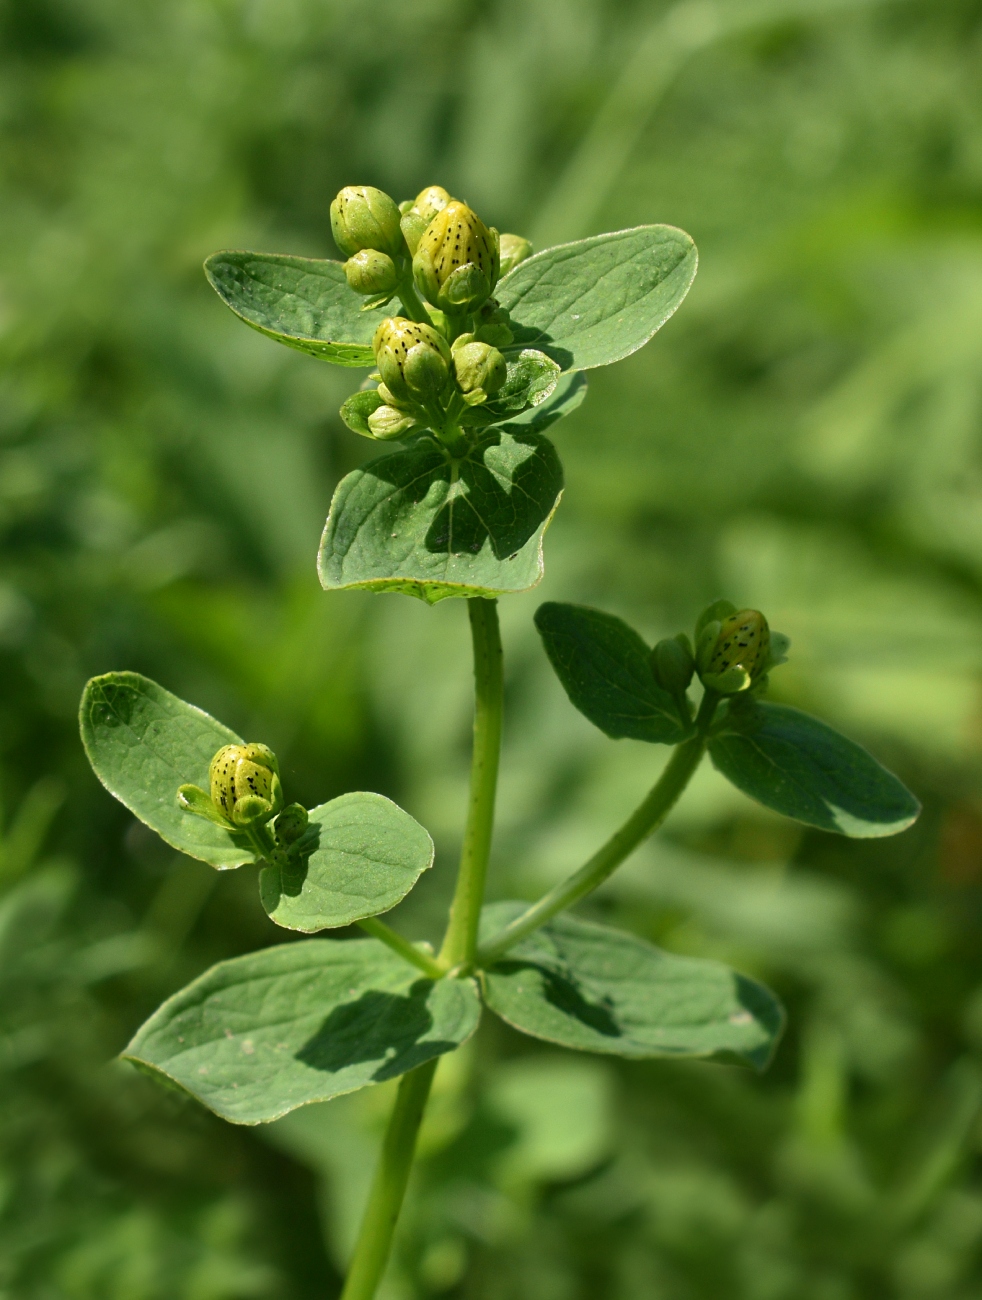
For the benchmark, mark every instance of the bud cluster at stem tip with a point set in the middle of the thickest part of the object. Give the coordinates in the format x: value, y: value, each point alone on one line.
x: 440, y: 247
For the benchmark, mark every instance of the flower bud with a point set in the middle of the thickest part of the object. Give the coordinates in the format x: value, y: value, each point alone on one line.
x: 431, y: 201
x: 412, y: 358
x: 245, y: 783
x: 514, y: 249
x: 479, y: 368
x: 371, y: 272
x: 290, y: 824
x: 364, y: 217
x: 389, y: 422
x: 740, y: 653
x: 456, y: 263
x: 418, y: 213
x: 672, y: 664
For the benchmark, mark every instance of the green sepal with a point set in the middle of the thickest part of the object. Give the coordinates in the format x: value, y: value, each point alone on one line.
x: 798, y: 766
x: 358, y: 407
x: 605, y: 669
x: 596, y: 989
x: 193, y: 799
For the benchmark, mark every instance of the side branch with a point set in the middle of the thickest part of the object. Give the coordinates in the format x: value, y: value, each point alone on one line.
x: 645, y: 819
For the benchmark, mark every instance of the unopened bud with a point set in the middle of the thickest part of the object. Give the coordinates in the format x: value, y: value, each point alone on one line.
x: 389, y: 422
x: 672, y: 664
x: 456, y: 263
x: 291, y: 824
x: 364, y: 217
x: 418, y: 214
x: 514, y: 249
x: 480, y: 369
x: 412, y: 358
x: 371, y: 272
x: 740, y: 653
x: 245, y: 783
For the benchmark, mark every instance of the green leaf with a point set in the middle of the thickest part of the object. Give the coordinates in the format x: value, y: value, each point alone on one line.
x: 365, y: 854
x: 532, y: 379
x: 256, y: 1037
x: 566, y: 397
x: 303, y: 302
x: 798, y: 766
x: 143, y: 743
x: 596, y: 301
x: 605, y: 669
x: 596, y: 989
x: 431, y: 526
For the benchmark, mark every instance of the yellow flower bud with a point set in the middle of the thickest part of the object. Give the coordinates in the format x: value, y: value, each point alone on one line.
x: 431, y: 201
x: 412, y: 358
x: 514, y: 249
x: 456, y: 263
x: 364, y: 217
x: 245, y: 783
x: 418, y: 214
x: 371, y: 272
x: 740, y: 653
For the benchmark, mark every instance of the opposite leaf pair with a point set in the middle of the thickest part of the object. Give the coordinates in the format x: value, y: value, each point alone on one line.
x: 783, y: 758
x: 256, y: 1036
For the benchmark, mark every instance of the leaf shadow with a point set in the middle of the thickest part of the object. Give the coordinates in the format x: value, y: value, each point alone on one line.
x: 502, y: 503
x: 563, y: 993
x: 378, y: 1026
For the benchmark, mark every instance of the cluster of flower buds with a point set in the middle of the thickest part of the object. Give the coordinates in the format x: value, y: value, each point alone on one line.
x: 735, y: 649
x: 245, y: 792
x: 438, y: 246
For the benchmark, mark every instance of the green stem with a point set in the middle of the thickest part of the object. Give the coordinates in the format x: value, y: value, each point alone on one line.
x: 411, y: 303
x: 417, y: 956
x: 389, y: 1185
x: 647, y: 817
x: 460, y: 941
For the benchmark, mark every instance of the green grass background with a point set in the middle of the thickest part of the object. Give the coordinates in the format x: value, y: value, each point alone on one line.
x: 805, y: 436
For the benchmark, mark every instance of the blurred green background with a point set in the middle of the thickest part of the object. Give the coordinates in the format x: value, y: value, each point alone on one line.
x: 806, y: 436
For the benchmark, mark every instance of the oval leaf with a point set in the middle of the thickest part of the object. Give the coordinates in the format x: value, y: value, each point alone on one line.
x: 596, y: 989
x: 304, y: 302
x: 425, y: 524
x: 798, y: 766
x: 367, y: 854
x: 605, y: 669
x: 143, y: 743
x: 256, y: 1037
x: 596, y: 301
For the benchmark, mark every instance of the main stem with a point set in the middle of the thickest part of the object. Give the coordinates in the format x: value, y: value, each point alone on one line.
x: 389, y: 1185
x: 460, y: 941
x: 459, y: 945
x: 645, y: 819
